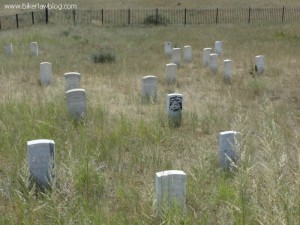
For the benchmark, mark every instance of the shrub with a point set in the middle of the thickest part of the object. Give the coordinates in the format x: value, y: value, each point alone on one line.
x: 156, y: 20
x: 104, y: 55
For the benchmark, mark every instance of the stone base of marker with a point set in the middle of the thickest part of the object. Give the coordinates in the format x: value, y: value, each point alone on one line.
x: 40, y: 155
x: 228, y: 146
x: 174, y: 109
x: 170, y: 187
x: 149, y: 88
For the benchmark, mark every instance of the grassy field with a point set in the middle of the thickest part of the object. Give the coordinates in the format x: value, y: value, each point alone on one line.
x: 142, y: 4
x: 105, y: 169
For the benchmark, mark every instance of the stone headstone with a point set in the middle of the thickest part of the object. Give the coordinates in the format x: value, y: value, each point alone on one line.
x: 34, y: 48
x: 171, y: 69
x: 218, y: 47
x: 170, y: 187
x: 227, y: 70
x: 260, y: 64
x: 149, y: 87
x: 176, y: 56
x: 76, y: 103
x: 187, y: 53
x: 45, y: 73
x: 168, y: 49
x: 228, y: 144
x: 213, y: 62
x: 72, y: 80
x: 40, y: 155
x: 8, y: 48
x: 206, y: 53
x: 174, y: 108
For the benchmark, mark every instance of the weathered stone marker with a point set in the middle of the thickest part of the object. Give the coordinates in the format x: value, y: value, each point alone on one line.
x: 176, y: 56
x: 227, y: 70
x: 72, y: 80
x: 40, y: 155
x: 206, y: 53
x: 45, y: 73
x: 187, y: 53
x: 260, y: 64
x: 218, y: 47
x: 76, y: 103
x: 174, y: 108
x: 170, y: 186
x: 213, y: 62
x: 168, y: 49
x: 149, y: 88
x: 171, y: 69
x: 8, y: 48
x: 34, y: 48
x: 228, y: 144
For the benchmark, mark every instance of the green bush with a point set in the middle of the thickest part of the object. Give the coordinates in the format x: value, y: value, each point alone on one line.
x: 104, y: 55
x: 156, y: 20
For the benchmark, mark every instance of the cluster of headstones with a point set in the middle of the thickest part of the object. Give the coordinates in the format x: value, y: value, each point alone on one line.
x: 170, y: 185
x: 8, y: 48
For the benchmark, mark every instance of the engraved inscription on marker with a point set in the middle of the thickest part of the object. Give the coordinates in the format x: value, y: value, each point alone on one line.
x: 174, y: 108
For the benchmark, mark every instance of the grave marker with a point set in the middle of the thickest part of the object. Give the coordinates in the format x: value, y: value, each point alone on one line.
x: 8, y: 48
x: 76, y: 103
x: 72, y: 80
x: 40, y: 155
x: 228, y: 144
x: 260, y: 64
x: 218, y: 47
x: 187, y: 53
x: 206, y: 53
x: 45, y: 73
x: 227, y: 70
x: 213, y: 62
x: 176, y: 56
x: 149, y: 88
x: 34, y: 49
x: 170, y: 187
x: 171, y: 69
x: 174, y: 108
x: 168, y: 49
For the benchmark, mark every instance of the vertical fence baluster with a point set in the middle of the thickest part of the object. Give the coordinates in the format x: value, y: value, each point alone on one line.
x: 17, y: 20
x: 217, y: 15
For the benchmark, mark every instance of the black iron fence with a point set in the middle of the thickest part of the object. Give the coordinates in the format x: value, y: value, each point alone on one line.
x: 154, y: 16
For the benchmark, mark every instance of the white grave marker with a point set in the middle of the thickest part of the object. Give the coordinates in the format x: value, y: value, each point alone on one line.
x: 213, y: 62
x: 8, y: 48
x: 76, y: 103
x: 34, y: 48
x: 170, y: 186
x: 174, y: 108
x: 45, y: 73
x: 176, y: 56
x: 171, y: 69
x: 260, y: 64
x: 227, y: 70
x: 228, y: 144
x: 206, y: 53
x: 187, y: 53
x: 72, y: 80
x: 218, y: 47
x: 40, y: 155
x: 168, y: 49
x: 149, y: 87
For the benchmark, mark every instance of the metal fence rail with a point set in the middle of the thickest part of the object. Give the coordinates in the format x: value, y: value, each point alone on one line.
x: 156, y: 16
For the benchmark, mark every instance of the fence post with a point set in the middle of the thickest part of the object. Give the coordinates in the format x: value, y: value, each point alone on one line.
x: 17, y: 20
x: 102, y: 17
x: 32, y: 18
x: 282, y: 19
x: 156, y: 16
x: 74, y: 15
x: 46, y: 13
x: 184, y: 16
x: 128, y: 16
x: 249, y: 15
x: 217, y: 15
